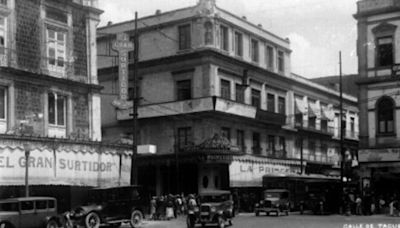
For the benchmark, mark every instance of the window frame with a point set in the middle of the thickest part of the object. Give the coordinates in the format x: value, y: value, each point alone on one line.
x: 254, y: 50
x: 179, y: 90
x: 282, y: 107
x: 386, y: 110
x: 187, y: 135
x: 240, y: 142
x: 224, y: 38
x: 238, y: 41
x: 239, y: 96
x: 270, y: 57
x: 281, y: 61
x: 226, y: 132
x: 256, y: 139
x: 253, y: 98
x: 270, y: 102
x: 56, y: 44
x: 225, y: 92
x: 378, y: 53
x: 185, y: 38
x: 56, y: 113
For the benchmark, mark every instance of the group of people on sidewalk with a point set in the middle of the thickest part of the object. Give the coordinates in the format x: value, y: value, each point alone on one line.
x: 170, y: 206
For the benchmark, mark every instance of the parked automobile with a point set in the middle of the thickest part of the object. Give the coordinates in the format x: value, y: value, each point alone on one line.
x: 29, y: 212
x: 111, y: 207
x: 275, y: 201
x: 216, y: 207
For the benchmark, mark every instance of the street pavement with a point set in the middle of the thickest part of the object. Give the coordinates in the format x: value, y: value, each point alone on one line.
x: 293, y: 221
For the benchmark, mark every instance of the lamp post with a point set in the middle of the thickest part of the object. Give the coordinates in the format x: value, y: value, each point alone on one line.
x: 27, y: 149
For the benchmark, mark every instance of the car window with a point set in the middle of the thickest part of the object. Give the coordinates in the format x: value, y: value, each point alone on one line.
x: 52, y: 204
x: 41, y: 204
x: 9, y: 206
x: 26, y: 205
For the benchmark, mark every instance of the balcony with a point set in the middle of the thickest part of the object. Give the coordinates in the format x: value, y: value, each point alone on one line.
x: 319, y: 158
x: 206, y: 104
x: 365, y: 6
x: 313, y: 129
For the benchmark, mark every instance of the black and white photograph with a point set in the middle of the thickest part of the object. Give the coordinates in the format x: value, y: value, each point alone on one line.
x: 199, y: 113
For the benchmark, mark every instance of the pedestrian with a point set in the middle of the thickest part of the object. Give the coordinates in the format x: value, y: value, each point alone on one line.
x: 153, y: 206
x: 358, y: 206
x: 169, y: 210
x: 178, y: 205
x: 381, y: 205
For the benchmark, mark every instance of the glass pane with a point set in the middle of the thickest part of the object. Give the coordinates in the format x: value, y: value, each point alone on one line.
x: 60, y: 36
x: 27, y: 205
x: 60, y: 61
x: 52, y: 112
x: 52, y: 204
x: 41, y: 204
x: 60, y: 110
x: 3, y: 103
x: 52, y: 34
x: 9, y: 207
x: 382, y: 126
x: 390, y: 126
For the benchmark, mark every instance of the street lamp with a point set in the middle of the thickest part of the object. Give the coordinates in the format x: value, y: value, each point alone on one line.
x: 27, y: 149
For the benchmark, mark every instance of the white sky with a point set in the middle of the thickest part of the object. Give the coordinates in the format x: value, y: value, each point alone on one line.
x: 317, y: 29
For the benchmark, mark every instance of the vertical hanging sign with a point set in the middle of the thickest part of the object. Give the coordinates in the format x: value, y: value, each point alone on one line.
x: 122, y: 45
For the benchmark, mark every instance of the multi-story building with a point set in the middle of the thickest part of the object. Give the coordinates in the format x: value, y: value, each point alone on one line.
x: 378, y: 61
x: 50, y: 101
x: 219, y: 102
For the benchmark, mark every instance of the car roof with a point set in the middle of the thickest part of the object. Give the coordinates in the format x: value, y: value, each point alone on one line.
x: 276, y: 190
x: 19, y: 199
x: 116, y: 187
x: 213, y: 192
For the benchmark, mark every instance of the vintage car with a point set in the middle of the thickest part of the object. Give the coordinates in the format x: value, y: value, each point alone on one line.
x: 29, y: 212
x: 215, y: 207
x: 275, y: 201
x: 111, y: 207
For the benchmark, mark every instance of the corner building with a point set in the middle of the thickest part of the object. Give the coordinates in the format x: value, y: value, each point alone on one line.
x: 220, y: 104
x: 378, y: 58
x: 50, y: 102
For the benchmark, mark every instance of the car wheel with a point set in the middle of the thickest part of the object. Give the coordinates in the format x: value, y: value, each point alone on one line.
x: 221, y: 222
x: 6, y: 225
x: 92, y: 220
x: 51, y: 224
x: 136, y: 218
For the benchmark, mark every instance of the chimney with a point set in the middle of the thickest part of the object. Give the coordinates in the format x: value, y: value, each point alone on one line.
x: 244, y: 18
x: 259, y: 25
x: 158, y: 12
x: 109, y: 23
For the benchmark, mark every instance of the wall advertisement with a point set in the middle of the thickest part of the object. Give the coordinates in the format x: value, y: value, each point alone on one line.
x: 48, y: 167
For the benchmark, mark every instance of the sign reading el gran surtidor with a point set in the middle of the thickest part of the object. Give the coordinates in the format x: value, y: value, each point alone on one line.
x: 47, y: 167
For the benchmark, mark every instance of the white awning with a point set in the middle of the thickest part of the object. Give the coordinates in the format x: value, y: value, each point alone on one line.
x: 300, y: 106
x: 313, y: 110
x: 327, y: 113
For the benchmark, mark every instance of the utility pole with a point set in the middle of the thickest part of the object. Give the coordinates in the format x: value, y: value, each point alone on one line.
x: 134, y: 168
x: 341, y: 134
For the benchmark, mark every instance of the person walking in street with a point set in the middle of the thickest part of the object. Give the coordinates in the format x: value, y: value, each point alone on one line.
x: 358, y: 205
x: 153, y: 206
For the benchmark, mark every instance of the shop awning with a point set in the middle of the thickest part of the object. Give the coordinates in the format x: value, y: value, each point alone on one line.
x: 313, y: 110
x: 300, y: 107
x: 327, y: 113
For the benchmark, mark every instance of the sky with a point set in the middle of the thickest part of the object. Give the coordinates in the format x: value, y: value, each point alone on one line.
x: 317, y: 29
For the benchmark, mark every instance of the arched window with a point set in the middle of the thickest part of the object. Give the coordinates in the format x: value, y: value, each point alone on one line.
x: 385, y: 115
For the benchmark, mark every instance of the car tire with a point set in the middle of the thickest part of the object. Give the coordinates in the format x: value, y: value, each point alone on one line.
x: 6, y: 225
x: 52, y: 224
x: 92, y: 220
x: 136, y: 218
x: 221, y: 222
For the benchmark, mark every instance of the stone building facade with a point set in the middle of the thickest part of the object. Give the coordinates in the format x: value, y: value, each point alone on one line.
x: 378, y: 60
x: 221, y: 105
x: 50, y: 101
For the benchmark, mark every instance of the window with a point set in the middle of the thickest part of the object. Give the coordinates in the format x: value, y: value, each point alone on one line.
x: 298, y: 144
x: 256, y: 143
x: 26, y: 205
x: 226, y: 133
x: 52, y: 204
x: 385, y: 115
x: 240, y: 139
x: 56, y: 49
x: 270, y: 58
x: 312, y: 121
x: 225, y: 89
x: 2, y: 35
x: 239, y: 93
x: 298, y: 119
x: 56, y: 109
x: 281, y: 105
x: 256, y: 98
x: 184, y: 90
x: 3, y: 103
x: 271, y: 143
x: 184, y: 37
x: 254, y: 50
x: 238, y: 44
x: 352, y: 128
x: 385, y: 51
x: 270, y: 102
x: 324, y: 125
x: 224, y: 38
x: 311, y: 147
x: 281, y: 61
x: 41, y: 204
x: 184, y: 137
